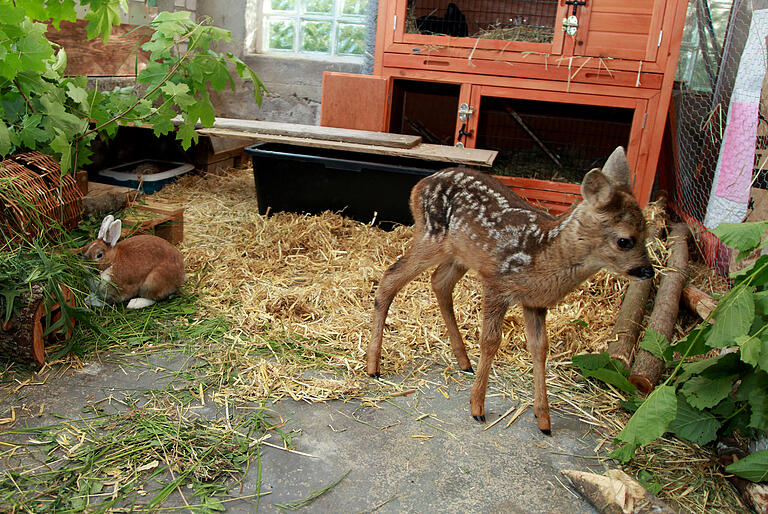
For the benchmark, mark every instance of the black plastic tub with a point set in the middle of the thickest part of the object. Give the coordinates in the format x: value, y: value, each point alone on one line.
x: 363, y: 186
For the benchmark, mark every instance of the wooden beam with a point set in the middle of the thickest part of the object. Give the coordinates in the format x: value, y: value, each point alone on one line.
x: 363, y: 137
x: 451, y: 154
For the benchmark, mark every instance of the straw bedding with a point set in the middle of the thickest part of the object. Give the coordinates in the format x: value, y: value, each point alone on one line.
x: 308, y: 282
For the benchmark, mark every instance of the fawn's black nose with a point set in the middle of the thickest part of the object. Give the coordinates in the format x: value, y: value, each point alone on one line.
x: 641, y: 272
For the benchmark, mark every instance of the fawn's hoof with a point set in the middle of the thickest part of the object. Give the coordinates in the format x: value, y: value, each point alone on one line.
x: 480, y: 418
x: 376, y: 375
x: 546, y: 431
x: 468, y: 371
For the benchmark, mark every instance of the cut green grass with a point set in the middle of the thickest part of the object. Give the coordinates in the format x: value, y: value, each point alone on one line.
x: 135, y: 459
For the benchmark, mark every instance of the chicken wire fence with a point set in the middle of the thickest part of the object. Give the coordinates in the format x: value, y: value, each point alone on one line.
x: 515, y: 20
x: 718, y: 118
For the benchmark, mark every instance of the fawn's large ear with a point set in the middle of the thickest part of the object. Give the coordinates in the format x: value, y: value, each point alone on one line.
x: 617, y: 167
x: 113, y: 233
x: 105, y: 225
x: 596, y: 189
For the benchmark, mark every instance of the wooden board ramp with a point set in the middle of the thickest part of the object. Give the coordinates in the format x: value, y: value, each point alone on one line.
x: 272, y: 128
x: 452, y: 154
x: 166, y: 222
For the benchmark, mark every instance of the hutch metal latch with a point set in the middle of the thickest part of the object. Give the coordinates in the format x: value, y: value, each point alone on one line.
x: 575, y: 4
x: 571, y: 23
x: 465, y: 112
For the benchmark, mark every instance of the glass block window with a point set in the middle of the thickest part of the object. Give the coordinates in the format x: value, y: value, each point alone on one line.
x: 314, y: 27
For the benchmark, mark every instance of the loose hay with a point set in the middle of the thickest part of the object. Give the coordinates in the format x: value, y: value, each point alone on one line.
x: 302, y: 287
x: 299, y: 290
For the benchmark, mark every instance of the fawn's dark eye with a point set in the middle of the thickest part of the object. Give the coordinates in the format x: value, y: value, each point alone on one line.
x: 625, y: 243
x: 100, y: 255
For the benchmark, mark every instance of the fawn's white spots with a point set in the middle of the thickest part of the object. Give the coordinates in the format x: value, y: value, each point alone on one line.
x: 556, y: 231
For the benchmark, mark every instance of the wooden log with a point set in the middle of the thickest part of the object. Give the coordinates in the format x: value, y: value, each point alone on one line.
x: 616, y: 493
x: 647, y: 368
x: 629, y: 320
x: 23, y: 337
x: 698, y: 301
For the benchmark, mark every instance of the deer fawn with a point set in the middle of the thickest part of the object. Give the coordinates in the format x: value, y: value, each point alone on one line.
x: 468, y: 220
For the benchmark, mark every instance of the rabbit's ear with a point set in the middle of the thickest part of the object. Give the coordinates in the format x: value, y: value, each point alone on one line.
x: 113, y: 233
x: 105, y: 225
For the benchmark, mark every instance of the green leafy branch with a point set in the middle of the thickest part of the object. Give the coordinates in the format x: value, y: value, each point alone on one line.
x: 41, y: 109
x: 706, y: 398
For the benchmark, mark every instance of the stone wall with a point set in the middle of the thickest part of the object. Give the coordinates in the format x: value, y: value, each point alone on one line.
x: 294, y: 83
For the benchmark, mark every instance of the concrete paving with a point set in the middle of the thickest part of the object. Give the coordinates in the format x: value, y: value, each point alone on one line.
x: 393, y: 458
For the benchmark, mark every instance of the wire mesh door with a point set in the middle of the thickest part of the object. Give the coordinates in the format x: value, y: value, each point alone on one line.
x: 548, y: 140
x: 531, y: 21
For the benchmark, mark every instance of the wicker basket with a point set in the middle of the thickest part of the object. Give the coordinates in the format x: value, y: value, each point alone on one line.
x: 36, y: 200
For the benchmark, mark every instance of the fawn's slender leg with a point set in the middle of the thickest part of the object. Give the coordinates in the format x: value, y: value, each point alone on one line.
x: 444, y: 280
x: 538, y: 345
x: 494, y: 308
x: 419, y: 257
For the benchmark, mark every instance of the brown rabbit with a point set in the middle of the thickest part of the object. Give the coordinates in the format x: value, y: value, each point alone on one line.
x: 142, y: 269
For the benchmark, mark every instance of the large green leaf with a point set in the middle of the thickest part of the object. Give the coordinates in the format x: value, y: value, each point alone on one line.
x: 78, y: 94
x: 612, y: 377
x: 34, y: 49
x: 694, y: 343
x: 655, y: 343
x: 11, y: 14
x: 734, y: 315
x: 761, y: 302
x: 153, y: 74
x: 589, y: 361
x: 5, y: 140
x: 101, y: 18
x: 758, y: 405
x: 752, y: 467
x: 703, y: 393
x: 186, y: 133
x: 694, y: 425
x: 751, y: 348
x: 744, y: 237
x: 652, y: 419
x: 60, y: 10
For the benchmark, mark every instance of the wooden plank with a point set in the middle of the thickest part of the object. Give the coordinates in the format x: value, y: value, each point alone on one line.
x: 624, y: 23
x: 618, y: 45
x: 622, y: 6
x: 469, y: 156
x: 224, y: 144
x: 363, y: 137
x: 512, y: 57
x: 475, y: 69
x: 352, y: 101
x: 93, y: 58
x: 532, y: 87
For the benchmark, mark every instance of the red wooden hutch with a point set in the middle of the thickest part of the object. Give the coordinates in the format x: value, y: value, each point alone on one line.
x: 518, y: 76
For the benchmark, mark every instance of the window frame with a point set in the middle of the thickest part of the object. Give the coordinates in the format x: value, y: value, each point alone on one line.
x: 257, y: 32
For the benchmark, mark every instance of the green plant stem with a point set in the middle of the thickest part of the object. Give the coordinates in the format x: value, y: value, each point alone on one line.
x: 706, y: 320
x: 165, y: 79
x: 18, y: 86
